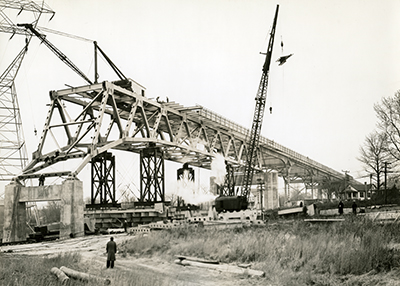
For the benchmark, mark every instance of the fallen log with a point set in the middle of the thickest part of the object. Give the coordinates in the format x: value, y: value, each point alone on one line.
x: 202, y: 260
x: 221, y: 267
x: 64, y: 279
x: 84, y: 276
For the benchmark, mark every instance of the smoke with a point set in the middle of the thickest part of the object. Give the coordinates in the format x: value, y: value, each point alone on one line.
x: 189, y: 192
x: 218, y: 169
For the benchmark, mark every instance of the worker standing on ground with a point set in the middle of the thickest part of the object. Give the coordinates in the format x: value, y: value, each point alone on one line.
x: 111, y: 250
x: 340, y: 207
x: 125, y: 226
x: 354, y: 207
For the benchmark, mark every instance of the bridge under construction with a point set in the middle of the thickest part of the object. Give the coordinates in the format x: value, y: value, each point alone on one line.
x: 118, y: 115
x: 86, y: 123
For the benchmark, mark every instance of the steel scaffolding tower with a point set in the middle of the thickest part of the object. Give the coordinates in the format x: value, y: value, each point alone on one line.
x: 103, y: 182
x: 13, y: 154
x: 152, y: 186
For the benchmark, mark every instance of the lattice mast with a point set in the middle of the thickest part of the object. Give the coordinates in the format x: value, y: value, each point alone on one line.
x: 13, y: 154
x: 254, y: 138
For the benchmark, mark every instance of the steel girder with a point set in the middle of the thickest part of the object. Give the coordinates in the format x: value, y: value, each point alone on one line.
x: 85, y: 121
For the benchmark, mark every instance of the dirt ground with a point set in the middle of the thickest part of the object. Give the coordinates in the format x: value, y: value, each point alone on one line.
x: 92, y: 249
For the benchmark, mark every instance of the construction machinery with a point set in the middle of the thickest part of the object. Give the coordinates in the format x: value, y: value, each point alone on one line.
x: 240, y: 201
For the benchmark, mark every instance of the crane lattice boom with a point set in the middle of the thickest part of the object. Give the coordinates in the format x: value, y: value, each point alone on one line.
x: 258, y: 115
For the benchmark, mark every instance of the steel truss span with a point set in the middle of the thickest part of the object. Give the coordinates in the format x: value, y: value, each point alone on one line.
x: 83, y: 122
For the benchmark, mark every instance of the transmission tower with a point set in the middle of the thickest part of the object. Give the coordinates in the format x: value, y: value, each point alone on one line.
x: 13, y: 154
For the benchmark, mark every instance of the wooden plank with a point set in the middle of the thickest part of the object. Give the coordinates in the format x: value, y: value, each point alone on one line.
x: 290, y: 211
x: 325, y: 220
x: 202, y: 260
x: 224, y: 268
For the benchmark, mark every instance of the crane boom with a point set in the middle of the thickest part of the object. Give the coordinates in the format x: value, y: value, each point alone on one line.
x: 56, y: 51
x: 240, y: 201
x: 254, y: 138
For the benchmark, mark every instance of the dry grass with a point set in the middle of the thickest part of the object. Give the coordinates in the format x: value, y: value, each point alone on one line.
x: 355, y: 252
x: 295, y: 254
x: 18, y: 270
x: 27, y: 270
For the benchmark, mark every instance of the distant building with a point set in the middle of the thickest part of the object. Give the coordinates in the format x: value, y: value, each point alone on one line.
x: 356, y: 192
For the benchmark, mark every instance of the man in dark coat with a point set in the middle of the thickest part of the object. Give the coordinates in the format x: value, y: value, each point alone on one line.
x: 125, y: 226
x: 111, y: 250
x: 354, y: 207
x: 340, y: 207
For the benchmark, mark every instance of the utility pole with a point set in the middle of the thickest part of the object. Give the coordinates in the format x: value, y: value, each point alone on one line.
x: 386, y: 183
x: 370, y: 185
x: 261, y: 190
x: 345, y: 181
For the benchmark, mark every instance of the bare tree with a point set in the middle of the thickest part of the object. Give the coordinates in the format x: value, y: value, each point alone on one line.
x: 388, y: 113
x: 51, y: 212
x: 374, y: 154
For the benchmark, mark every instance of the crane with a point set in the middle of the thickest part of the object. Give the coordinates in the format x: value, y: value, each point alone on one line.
x: 240, y: 201
x: 261, y: 97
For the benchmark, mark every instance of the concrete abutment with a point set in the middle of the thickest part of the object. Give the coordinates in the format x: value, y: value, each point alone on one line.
x: 70, y: 193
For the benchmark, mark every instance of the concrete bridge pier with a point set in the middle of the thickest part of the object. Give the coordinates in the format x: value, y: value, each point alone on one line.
x: 72, y: 207
x: 70, y: 193
x: 271, y: 199
x: 14, y: 228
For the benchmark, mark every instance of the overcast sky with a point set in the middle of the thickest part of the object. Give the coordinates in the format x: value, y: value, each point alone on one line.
x: 208, y: 53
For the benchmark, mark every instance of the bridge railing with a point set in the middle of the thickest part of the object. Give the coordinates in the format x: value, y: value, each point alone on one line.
x: 211, y: 115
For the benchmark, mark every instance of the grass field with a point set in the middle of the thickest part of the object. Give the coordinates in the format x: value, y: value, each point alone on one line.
x: 354, y: 252
x: 290, y: 254
x: 21, y: 270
